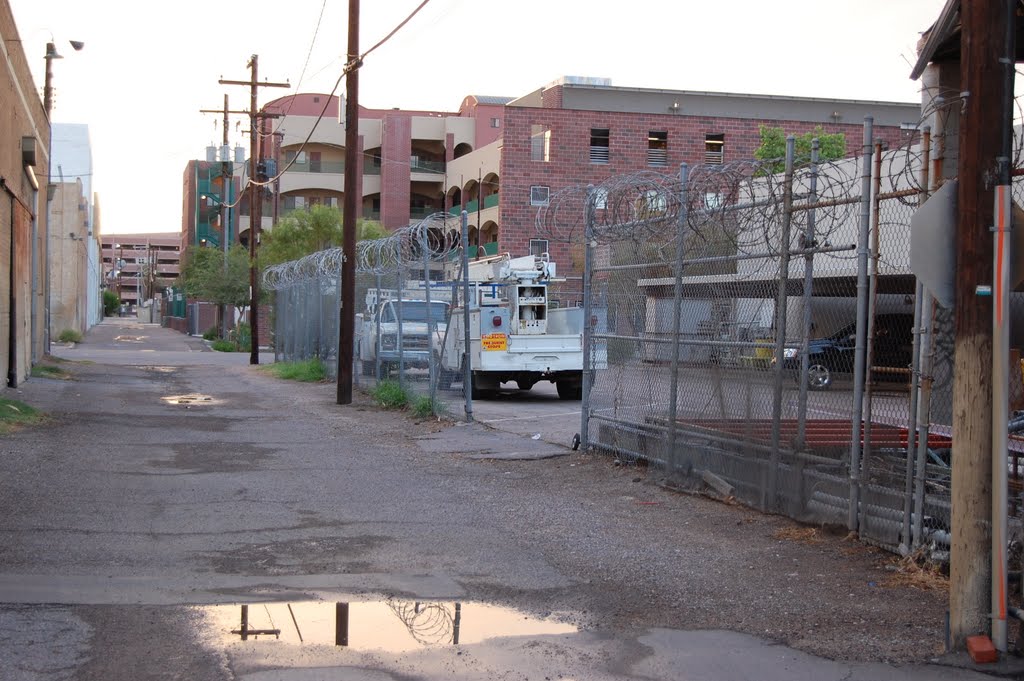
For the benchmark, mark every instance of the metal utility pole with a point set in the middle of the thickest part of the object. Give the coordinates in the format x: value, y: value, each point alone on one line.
x: 347, y: 314
x: 981, y: 121
x: 255, y: 197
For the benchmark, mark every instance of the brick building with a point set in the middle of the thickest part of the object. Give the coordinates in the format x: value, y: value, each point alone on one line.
x: 581, y: 131
x: 24, y: 169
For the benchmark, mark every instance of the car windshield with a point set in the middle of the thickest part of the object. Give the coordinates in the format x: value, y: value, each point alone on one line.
x: 416, y: 311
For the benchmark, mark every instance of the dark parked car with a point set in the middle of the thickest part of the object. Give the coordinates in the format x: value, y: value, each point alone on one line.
x: 892, y: 352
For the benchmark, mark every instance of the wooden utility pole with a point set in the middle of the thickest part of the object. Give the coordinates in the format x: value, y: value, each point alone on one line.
x: 347, y: 314
x: 981, y: 123
x: 255, y: 197
x: 225, y: 214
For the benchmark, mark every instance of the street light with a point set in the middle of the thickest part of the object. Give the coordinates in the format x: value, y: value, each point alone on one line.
x: 51, y: 54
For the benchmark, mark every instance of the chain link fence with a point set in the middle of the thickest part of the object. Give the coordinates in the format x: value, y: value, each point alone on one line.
x: 766, y: 338
x: 406, y: 284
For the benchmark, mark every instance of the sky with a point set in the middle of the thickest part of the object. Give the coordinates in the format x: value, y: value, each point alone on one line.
x: 148, y: 68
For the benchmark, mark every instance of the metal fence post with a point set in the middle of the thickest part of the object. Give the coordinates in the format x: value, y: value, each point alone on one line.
x: 924, y: 406
x: 378, y: 367
x: 771, y: 501
x: 401, y: 320
x: 915, y: 365
x: 431, y: 326
x: 805, y: 336
x: 588, y: 331
x: 863, y: 246
x: 467, y: 370
x: 677, y: 302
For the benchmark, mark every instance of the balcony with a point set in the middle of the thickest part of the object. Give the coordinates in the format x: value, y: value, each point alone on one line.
x: 308, y: 166
x: 422, y: 165
x: 418, y: 213
x: 471, y: 207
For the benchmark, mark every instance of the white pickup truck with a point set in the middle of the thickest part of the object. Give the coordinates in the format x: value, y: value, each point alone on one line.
x: 397, y: 332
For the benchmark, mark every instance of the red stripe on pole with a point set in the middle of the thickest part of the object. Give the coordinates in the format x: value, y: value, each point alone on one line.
x: 1000, y: 239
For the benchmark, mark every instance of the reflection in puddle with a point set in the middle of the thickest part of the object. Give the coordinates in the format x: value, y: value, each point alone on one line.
x: 194, y: 398
x: 391, y: 626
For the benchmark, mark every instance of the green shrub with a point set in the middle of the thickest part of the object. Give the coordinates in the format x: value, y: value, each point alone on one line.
x: 110, y: 303
x: 309, y: 371
x: 70, y: 336
x: 221, y: 345
x: 242, y: 336
x: 211, y: 334
x: 390, y: 395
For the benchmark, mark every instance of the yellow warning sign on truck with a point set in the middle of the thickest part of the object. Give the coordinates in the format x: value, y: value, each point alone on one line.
x: 494, y: 341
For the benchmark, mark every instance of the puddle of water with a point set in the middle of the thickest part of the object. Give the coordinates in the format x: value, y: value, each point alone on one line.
x: 194, y: 398
x: 391, y: 626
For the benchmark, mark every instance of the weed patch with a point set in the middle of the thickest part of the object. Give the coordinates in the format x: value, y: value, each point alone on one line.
x: 70, y: 336
x: 307, y: 371
x: 14, y: 414
x: 390, y: 395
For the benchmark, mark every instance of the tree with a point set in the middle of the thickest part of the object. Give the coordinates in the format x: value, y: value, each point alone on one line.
x: 773, y: 147
x: 205, y: 276
x: 302, y: 232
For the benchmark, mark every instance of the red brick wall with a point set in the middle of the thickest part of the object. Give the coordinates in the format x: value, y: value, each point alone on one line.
x: 569, y: 162
x: 396, y: 148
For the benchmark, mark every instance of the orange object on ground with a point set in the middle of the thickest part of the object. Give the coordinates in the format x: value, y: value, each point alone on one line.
x: 981, y: 649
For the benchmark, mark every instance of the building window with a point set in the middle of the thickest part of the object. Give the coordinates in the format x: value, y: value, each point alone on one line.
x: 540, y: 143
x: 599, y: 139
x: 652, y: 203
x: 657, y: 148
x: 495, y: 122
x: 714, y: 148
x: 713, y: 200
x: 538, y: 247
x: 539, y: 195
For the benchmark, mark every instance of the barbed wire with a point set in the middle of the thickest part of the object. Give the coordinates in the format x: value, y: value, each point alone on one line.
x: 436, y: 237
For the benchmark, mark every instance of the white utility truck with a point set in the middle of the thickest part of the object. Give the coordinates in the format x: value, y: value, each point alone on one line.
x: 514, y: 335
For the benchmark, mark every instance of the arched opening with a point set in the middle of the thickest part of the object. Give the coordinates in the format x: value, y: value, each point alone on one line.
x: 462, y: 149
x: 454, y: 200
x: 371, y: 207
x: 489, y: 188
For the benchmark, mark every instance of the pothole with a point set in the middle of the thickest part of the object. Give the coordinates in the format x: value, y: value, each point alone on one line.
x: 129, y: 339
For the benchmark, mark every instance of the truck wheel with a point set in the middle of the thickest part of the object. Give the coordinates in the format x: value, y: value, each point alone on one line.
x: 569, y: 390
